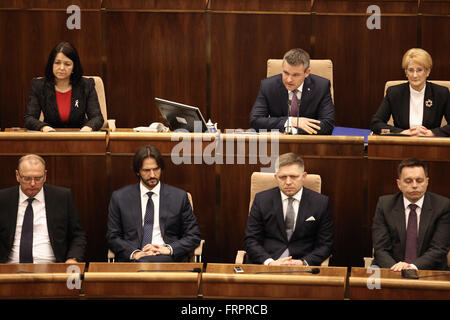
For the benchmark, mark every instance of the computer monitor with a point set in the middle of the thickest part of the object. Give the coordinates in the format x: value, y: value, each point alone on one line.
x: 181, y: 116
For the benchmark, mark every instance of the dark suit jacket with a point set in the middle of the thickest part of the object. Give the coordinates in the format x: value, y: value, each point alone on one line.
x: 271, y: 107
x: 178, y: 224
x: 265, y: 236
x: 43, y: 98
x: 389, y: 232
x: 396, y: 103
x: 67, y: 237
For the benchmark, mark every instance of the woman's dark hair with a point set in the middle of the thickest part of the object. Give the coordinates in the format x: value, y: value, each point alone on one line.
x: 145, y: 152
x: 70, y: 52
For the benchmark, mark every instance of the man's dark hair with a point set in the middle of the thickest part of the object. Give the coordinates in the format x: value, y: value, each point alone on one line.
x: 70, y: 52
x: 145, y: 152
x: 411, y: 163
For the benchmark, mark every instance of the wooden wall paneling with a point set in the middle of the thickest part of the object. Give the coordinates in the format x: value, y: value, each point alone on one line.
x: 363, y: 59
x: 155, y: 4
x: 241, y: 44
x: 154, y: 54
x: 260, y: 5
x: 435, y: 34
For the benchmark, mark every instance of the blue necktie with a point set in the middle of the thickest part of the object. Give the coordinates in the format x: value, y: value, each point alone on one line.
x: 26, y: 238
x: 148, y: 221
x: 411, y: 235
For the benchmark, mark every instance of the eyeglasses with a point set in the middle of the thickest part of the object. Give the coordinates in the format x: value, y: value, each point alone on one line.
x: 412, y: 70
x: 29, y: 179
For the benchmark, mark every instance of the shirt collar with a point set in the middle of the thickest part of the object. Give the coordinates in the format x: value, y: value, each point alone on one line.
x: 144, y: 190
x: 296, y: 196
x: 39, y: 196
x: 300, y: 89
x: 417, y: 92
x: 418, y: 203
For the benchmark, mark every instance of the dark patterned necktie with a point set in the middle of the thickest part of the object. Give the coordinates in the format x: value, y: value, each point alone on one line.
x: 26, y: 238
x: 148, y: 221
x: 411, y: 235
x: 294, y: 104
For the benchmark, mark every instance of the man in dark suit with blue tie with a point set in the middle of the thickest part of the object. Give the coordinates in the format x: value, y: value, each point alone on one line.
x: 411, y: 229
x: 289, y: 224
x: 151, y: 221
x: 294, y: 101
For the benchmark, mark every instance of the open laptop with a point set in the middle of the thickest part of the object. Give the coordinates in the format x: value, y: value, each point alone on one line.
x: 181, y: 116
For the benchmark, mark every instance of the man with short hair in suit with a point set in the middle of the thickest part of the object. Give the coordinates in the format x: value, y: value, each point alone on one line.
x: 411, y: 229
x: 39, y: 222
x: 294, y: 101
x: 289, y: 224
x: 151, y: 221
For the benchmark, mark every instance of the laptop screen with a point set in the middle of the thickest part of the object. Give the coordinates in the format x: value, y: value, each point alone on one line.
x: 181, y: 116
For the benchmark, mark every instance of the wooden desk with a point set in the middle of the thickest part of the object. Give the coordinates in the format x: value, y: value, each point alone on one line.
x: 35, y: 281
x: 394, y: 287
x: 123, y: 280
x: 384, y: 156
x: 220, y: 281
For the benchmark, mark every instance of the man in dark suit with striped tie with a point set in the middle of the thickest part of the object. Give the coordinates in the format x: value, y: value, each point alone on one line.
x: 151, y: 221
x: 411, y: 229
x: 39, y: 222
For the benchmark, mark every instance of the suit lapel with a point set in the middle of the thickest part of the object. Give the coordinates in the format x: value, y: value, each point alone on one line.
x: 404, y: 106
x: 428, y: 111
x: 13, y: 207
x: 307, y: 90
x: 50, y: 212
x: 278, y: 210
x: 425, y: 218
x: 400, y: 221
x: 164, y: 201
x: 52, y: 107
x: 283, y: 97
x: 136, y: 209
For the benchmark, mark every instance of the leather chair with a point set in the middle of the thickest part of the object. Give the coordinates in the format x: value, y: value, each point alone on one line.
x: 396, y: 82
x: 261, y: 181
x: 323, y: 68
x: 194, y: 256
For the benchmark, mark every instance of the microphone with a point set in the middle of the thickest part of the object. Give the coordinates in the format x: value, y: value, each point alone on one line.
x: 412, y: 274
x: 198, y: 270
x: 312, y: 271
x: 289, y: 125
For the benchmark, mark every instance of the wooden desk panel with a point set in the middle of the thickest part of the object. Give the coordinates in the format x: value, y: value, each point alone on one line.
x: 220, y: 281
x: 34, y: 281
x: 393, y: 287
x: 124, y: 280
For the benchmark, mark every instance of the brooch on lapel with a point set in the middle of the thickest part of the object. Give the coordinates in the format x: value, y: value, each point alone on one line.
x: 428, y: 103
x: 76, y: 103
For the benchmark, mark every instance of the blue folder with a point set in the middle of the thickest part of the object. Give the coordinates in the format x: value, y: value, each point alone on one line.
x: 345, y: 131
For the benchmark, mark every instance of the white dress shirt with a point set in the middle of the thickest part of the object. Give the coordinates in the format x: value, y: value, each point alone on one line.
x: 156, y: 234
x: 295, y: 204
x: 299, y: 97
x: 416, y: 107
x: 42, y: 249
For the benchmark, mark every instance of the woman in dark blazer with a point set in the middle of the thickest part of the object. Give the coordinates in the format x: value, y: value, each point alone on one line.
x: 417, y: 107
x: 66, y: 99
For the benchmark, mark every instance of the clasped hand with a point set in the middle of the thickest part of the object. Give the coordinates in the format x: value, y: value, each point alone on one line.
x: 286, y: 261
x: 151, y: 250
x: 306, y: 124
x: 418, y: 131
